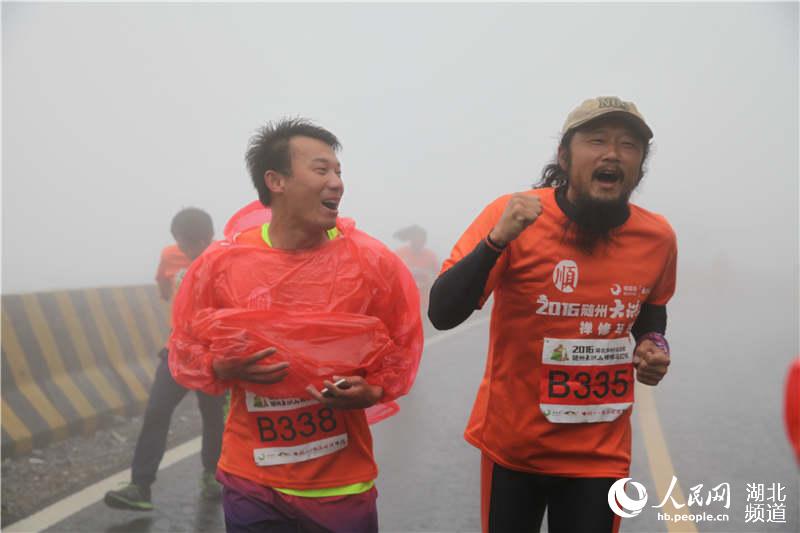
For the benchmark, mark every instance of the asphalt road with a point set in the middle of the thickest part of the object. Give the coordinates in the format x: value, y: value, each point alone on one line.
x: 716, y: 419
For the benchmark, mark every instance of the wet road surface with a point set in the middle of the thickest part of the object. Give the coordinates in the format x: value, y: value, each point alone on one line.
x: 716, y: 419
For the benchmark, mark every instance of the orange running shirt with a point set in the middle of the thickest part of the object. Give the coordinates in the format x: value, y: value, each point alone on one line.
x: 422, y: 263
x: 173, y: 260
x: 556, y: 393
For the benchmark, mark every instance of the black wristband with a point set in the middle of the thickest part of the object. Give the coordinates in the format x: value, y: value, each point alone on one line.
x: 493, y: 245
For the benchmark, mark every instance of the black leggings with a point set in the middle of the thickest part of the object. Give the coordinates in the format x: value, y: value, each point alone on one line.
x: 518, y: 500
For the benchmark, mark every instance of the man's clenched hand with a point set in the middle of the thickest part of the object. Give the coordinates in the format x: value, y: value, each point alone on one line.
x: 651, y: 363
x: 521, y: 211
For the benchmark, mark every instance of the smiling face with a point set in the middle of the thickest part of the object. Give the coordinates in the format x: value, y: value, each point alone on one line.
x: 310, y: 195
x: 604, y: 161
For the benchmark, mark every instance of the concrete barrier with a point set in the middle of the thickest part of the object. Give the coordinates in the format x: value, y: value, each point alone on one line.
x: 72, y: 359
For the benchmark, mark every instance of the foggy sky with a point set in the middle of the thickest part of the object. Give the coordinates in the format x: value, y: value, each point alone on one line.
x: 116, y: 116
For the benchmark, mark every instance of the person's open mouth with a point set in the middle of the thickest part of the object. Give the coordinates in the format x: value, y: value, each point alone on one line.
x: 332, y: 204
x: 608, y: 176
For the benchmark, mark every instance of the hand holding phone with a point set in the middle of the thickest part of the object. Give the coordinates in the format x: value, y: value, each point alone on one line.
x: 352, y: 392
x: 340, y: 384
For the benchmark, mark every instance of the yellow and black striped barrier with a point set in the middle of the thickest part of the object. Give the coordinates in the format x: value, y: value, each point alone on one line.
x: 72, y: 359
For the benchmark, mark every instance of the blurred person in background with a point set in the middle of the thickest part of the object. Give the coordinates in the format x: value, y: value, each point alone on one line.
x: 193, y: 231
x: 295, y: 458
x: 421, y: 261
x: 581, y: 278
x: 173, y: 261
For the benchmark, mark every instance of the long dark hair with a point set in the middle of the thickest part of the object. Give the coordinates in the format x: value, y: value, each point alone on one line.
x: 552, y: 173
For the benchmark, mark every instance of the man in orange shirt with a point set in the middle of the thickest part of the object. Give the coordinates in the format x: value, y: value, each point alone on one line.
x: 193, y: 231
x: 581, y: 278
x: 292, y: 458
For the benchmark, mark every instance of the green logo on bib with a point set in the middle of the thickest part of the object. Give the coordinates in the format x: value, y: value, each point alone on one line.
x: 559, y: 353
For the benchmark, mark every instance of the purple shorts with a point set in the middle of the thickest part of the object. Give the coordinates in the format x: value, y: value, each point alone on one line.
x: 249, y: 508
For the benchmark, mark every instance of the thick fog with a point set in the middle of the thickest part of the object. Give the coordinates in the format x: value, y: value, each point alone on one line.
x: 117, y: 116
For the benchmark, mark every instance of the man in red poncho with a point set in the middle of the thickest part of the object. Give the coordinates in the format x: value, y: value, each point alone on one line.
x: 284, y: 310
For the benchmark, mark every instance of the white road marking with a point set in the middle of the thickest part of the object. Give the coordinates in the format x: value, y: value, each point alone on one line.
x: 70, y: 505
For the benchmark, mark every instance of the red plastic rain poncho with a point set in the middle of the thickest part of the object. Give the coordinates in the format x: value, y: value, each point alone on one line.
x: 250, y: 216
x: 348, y: 307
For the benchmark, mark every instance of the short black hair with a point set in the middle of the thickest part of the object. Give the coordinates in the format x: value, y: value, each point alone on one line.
x: 192, y: 225
x: 268, y: 149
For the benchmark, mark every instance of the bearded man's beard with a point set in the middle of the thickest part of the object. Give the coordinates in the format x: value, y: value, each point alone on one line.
x: 594, y: 222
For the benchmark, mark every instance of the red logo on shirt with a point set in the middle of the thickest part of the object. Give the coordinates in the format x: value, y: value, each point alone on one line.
x: 565, y: 276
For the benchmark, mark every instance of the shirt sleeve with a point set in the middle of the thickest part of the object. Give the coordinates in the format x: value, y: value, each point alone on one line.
x: 457, y: 292
x: 652, y: 318
x: 472, y: 236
